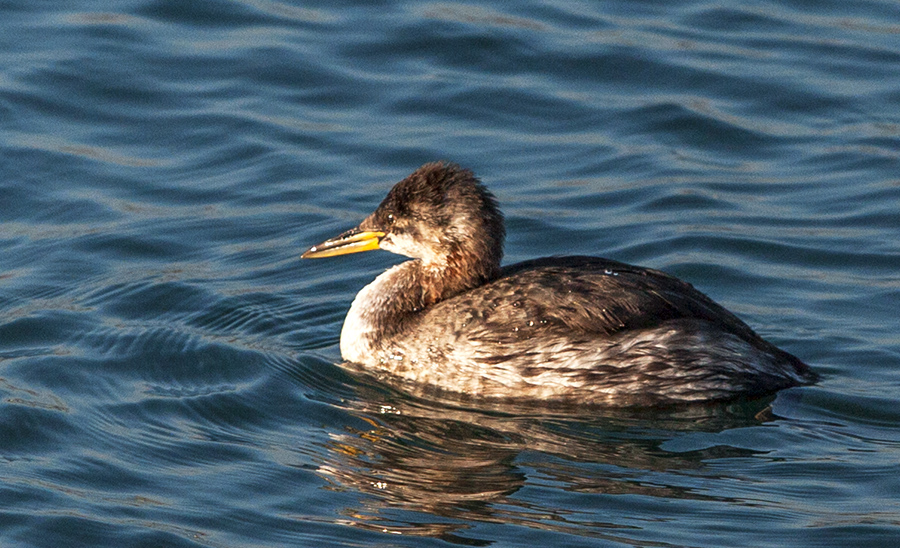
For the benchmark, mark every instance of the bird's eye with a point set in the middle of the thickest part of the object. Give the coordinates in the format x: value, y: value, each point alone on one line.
x: 390, y: 217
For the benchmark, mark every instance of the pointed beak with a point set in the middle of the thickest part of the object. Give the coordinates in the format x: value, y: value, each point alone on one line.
x: 352, y: 241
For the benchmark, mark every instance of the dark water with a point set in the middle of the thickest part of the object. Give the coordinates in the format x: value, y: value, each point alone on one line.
x: 167, y: 364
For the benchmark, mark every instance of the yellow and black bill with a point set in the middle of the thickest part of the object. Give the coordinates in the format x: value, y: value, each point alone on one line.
x: 352, y: 241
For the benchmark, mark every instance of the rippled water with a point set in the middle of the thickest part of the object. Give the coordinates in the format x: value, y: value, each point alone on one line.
x: 168, y: 366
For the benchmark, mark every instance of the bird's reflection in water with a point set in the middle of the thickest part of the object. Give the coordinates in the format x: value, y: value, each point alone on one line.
x: 433, y: 466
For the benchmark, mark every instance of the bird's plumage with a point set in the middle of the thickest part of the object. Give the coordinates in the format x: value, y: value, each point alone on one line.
x: 575, y: 329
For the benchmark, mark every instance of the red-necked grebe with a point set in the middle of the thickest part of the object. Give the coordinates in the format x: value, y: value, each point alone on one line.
x: 570, y: 329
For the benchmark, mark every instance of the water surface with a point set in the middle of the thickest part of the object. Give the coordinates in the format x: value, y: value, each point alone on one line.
x: 169, y: 367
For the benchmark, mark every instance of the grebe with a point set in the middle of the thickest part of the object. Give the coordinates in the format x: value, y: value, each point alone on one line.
x: 567, y: 329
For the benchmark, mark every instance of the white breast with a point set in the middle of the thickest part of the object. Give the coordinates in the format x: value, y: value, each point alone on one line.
x: 359, y: 334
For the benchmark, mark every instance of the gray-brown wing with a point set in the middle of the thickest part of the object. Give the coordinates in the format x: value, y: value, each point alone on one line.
x: 577, y: 298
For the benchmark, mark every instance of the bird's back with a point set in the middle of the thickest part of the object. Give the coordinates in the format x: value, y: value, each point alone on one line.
x: 592, y: 329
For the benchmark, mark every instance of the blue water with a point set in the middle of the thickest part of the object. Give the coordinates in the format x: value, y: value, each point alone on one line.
x: 168, y: 365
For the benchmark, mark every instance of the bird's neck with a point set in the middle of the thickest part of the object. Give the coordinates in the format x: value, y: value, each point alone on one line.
x: 395, y: 299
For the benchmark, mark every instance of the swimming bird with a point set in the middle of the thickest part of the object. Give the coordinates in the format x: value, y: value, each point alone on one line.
x: 577, y: 329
